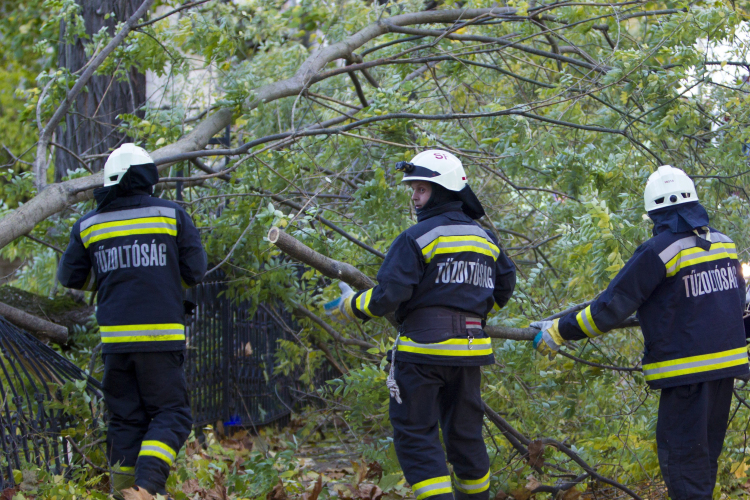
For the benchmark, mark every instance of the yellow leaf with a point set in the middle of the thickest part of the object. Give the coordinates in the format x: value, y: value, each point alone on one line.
x: 740, y: 470
x: 161, y: 141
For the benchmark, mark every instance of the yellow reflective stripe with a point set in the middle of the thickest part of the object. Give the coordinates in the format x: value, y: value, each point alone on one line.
x: 472, y: 486
x: 432, y: 487
x: 683, y: 260
x: 159, y: 450
x: 586, y: 323
x: 142, y: 333
x: 130, y: 232
x: 451, y: 347
x: 430, y: 251
x: 695, y: 364
x: 363, y: 303
x: 128, y: 222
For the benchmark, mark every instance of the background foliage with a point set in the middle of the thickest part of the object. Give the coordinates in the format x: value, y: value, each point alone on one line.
x: 559, y: 112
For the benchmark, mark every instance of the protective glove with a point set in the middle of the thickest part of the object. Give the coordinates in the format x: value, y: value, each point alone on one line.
x: 548, y: 340
x: 341, y: 308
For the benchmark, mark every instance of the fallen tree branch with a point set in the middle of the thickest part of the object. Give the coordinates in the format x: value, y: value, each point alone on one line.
x: 521, y: 443
x: 301, y: 310
x: 326, y: 222
x: 354, y: 277
x: 42, y: 329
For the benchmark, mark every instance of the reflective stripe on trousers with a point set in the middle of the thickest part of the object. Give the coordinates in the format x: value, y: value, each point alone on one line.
x: 159, y: 450
x: 695, y: 364
x: 471, y: 486
x: 432, y: 487
x: 142, y: 333
x: 451, y: 347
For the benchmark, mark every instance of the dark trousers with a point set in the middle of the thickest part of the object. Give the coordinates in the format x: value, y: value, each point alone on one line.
x: 690, y: 434
x: 149, y: 413
x: 450, y: 396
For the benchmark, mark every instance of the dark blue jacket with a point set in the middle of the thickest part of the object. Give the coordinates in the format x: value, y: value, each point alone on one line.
x: 442, y: 277
x: 689, y: 294
x: 135, y: 250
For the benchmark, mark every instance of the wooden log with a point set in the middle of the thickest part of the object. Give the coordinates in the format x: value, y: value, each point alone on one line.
x: 38, y: 327
x: 354, y: 277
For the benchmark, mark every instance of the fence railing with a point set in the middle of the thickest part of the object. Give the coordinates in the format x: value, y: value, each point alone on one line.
x: 31, y: 375
x: 231, y: 358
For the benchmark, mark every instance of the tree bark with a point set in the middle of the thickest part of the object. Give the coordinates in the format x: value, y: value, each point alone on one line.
x: 92, y: 127
x: 42, y: 329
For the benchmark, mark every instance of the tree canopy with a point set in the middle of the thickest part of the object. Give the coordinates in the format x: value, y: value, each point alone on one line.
x: 292, y: 114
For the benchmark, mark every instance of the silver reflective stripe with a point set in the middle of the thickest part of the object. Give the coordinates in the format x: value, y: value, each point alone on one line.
x: 697, y: 255
x: 591, y: 330
x: 695, y: 364
x: 689, y: 242
x: 425, y: 490
x: 143, y: 333
x: 467, y: 230
x: 148, y: 225
x: 446, y: 347
x: 720, y: 237
x: 158, y: 449
x: 136, y: 213
x: 668, y: 253
x: 471, y: 487
x: 454, y: 244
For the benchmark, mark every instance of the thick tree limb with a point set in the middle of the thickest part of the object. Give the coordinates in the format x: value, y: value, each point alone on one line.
x: 57, y: 197
x: 38, y: 327
x: 353, y: 276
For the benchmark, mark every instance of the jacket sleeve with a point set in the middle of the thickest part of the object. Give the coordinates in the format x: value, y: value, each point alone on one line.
x: 75, y: 269
x: 626, y: 292
x: 398, y: 276
x: 193, y: 260
x: 505, y: 280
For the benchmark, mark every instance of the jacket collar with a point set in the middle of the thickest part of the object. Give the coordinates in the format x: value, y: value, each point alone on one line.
x: 453, y: 206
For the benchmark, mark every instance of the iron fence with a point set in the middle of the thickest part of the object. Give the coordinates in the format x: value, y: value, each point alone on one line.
x: 31, y: 425
x: 230, y: 362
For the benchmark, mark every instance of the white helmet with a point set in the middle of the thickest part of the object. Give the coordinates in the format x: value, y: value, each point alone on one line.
x: 121, y: 160
x: 668, y: 186
x: 435, y: 165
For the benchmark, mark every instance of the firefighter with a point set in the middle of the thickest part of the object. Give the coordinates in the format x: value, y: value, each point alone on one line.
x: 686, y: 285
x: 136, y: 251
x: 441, y: 277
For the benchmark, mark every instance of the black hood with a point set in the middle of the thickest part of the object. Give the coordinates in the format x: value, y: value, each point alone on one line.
x: 472, y: 207
x: 679, y: 219
x: 139, y: 179
x: 440, y: 196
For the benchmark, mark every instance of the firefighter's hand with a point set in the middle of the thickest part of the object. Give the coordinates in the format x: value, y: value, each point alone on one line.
x: 341, y: 308
x: 548, y: 340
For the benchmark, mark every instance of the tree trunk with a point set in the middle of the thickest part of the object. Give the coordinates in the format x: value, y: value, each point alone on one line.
x: 91, y: 127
